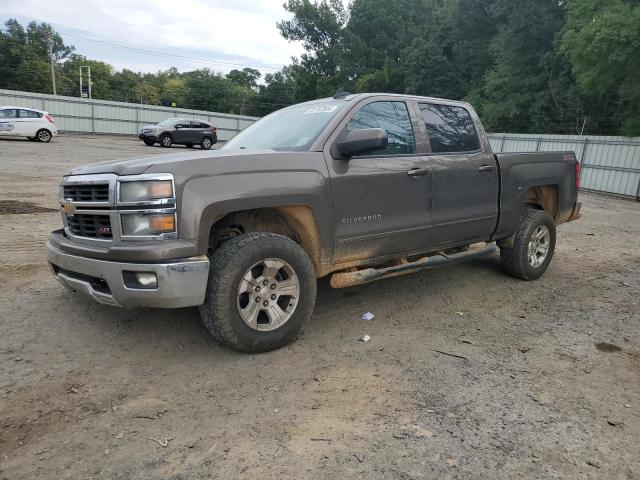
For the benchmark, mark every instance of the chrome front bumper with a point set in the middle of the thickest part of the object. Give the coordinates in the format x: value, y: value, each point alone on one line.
x: 180, y: 284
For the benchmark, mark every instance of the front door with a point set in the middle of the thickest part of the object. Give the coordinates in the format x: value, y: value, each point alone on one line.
x: 465, y: 176
x: 8, y: 120
x: 381, y: 200
x: 183, y: 132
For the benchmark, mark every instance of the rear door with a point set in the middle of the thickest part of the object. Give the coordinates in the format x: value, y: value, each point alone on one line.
x: 8, y: 120
x: 380, y: 208
x: 198, y: 130
x: 29, y: 121
x: 464, y: 175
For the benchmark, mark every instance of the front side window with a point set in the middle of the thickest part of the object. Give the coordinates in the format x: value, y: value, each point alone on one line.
x: 9, y: 113
x: 450, y: 128
x: 393, y: 117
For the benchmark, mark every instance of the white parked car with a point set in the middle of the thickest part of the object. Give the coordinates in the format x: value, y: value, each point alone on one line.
x: 27, y: 122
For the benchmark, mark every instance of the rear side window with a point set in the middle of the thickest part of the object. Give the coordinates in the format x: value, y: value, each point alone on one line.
x: 450, y: 128
x: 9, y: 113
x: 29, y: 114
x: 394, y: 118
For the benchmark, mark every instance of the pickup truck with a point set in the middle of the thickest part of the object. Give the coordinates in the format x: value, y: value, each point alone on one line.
x: 360, y: 187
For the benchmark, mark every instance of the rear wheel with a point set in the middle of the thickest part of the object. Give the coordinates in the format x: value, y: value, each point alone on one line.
x: 43, y: 135
x: 206, y: 143
x: 166, y: 140
x: 261, y: 292
x: 533, y: 246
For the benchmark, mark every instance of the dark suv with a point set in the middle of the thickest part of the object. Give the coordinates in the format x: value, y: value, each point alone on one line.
x: 180, y: 131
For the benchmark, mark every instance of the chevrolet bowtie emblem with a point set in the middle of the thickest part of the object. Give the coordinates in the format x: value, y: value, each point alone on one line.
x: 69, y: 208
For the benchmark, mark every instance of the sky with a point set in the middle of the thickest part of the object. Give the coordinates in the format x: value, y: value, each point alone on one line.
x: 219, y: 34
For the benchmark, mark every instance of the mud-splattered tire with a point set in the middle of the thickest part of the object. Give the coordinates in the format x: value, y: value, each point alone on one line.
x: 232, y: 290
x: 533, y: 246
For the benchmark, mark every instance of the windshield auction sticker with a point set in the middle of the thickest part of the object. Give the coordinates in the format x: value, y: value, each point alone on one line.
x: 322, y: 109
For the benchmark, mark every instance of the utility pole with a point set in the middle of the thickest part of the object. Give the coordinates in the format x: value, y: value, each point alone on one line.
x: 53, y: 68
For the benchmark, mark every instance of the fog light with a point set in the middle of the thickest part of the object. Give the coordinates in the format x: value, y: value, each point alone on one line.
x: 140, y: 280
x: 147, y: 279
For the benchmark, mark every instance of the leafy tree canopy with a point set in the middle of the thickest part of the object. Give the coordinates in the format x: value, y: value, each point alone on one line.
x: 539, y: 66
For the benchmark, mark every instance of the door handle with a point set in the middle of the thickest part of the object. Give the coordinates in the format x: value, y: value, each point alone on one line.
x: 419, y: 172
x: 485, y: 168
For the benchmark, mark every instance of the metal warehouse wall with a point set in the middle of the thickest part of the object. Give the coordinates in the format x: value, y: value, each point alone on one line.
x: 609, y: 164
x: 100, y: 116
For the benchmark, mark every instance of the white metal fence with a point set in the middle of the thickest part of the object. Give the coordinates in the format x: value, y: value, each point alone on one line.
x: 73, y: 114
x: 609, y: 164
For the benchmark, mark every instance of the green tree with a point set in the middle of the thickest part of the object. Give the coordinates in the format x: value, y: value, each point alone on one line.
x: 319, y: 26
x: 277, y: 92
x: 247, y: 77
x: 601, y: 38
x: 530, y: 87
x: 174, y: 91
x: 24, y: 56
x: 69, y: 82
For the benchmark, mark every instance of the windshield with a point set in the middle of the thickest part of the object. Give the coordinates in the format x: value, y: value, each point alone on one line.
x: 290, y: 129
x: 169, y: 122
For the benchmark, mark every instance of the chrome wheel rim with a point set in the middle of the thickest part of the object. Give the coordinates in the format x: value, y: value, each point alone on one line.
x: 206, y: 143
x: 539, y: 246
x: 268, y: 294
x: 43, y: 136
x: 166, y: 141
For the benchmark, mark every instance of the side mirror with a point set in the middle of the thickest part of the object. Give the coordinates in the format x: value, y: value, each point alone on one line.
x: 358, y: 142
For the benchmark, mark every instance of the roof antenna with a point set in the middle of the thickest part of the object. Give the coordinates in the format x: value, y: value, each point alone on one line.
x: 341, y: 93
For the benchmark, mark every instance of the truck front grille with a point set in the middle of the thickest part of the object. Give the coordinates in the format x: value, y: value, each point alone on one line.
x: 90, y: 225
x: 98, y: 192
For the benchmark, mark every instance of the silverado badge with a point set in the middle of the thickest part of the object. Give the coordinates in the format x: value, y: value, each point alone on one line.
x: 69, y: 208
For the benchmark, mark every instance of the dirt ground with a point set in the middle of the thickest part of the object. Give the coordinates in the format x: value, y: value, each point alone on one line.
x: 549, y: 386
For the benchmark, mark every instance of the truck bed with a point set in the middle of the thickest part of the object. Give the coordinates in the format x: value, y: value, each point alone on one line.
x: 555, y: 175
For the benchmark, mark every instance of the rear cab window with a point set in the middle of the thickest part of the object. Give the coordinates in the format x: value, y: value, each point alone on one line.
x: 393, y: 117
x: 450, y: 128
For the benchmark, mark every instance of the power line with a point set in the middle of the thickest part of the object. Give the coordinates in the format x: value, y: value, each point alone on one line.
x: 157, y: 53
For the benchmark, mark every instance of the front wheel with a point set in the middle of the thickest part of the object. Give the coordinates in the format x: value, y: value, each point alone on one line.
x: 533, y: 246
x: 166, y: 140
x: 261, y: 292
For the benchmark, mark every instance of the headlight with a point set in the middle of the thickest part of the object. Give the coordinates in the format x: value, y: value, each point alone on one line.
x: 146, y: 224
x: 145, y: 191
